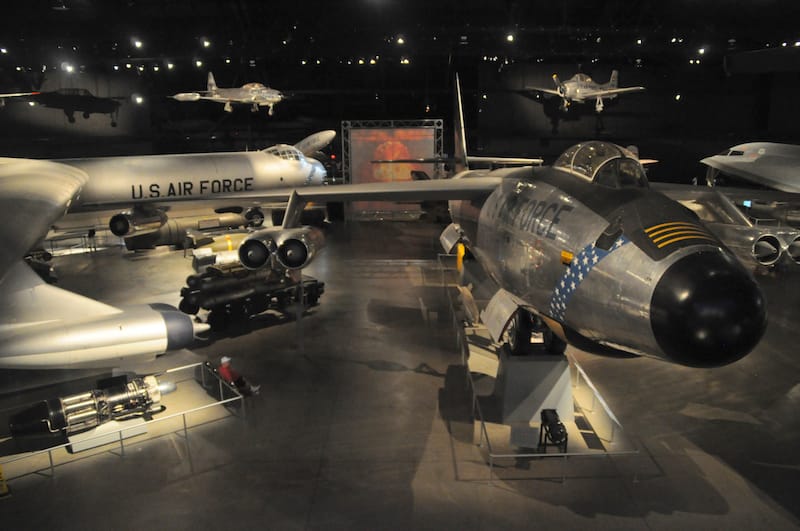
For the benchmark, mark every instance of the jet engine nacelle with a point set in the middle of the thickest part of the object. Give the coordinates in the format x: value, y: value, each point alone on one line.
x: 768, y: 248
x: 291, y: 248
x: 135, y: 221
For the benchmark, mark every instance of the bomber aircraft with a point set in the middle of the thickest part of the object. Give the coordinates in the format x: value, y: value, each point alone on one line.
x: 254, y: 94
x: 148, y: 191
x: 42, y: 326
x: 581, y: 87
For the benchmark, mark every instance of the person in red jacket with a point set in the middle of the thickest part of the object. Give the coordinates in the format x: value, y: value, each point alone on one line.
x: 234, y: 378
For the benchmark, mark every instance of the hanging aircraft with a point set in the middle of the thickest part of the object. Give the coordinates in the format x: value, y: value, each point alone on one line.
x: 42, y: 326
x: 581, y: 87
x: 583, y: 251
x: 254, y: 94
x: 72, y: 100
x: 150, y: 189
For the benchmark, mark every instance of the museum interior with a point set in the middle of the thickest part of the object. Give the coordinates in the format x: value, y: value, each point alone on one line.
x: 242, y: 288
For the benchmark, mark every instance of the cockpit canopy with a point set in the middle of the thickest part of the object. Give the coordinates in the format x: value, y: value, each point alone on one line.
x: 285, y: 151
x: 603, y: 163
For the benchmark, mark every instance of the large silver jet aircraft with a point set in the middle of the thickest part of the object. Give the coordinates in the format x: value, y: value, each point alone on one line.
x: 42, y: 326
x: 583, y: 251
x: 765, y: 164
x: 254, y: 94
x: 148, y: 186
x: 581, y: 87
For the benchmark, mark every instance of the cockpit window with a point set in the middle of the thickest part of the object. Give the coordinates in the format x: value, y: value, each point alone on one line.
x: 735, y: 153
x: 285, y: 152
x: 603, y: 163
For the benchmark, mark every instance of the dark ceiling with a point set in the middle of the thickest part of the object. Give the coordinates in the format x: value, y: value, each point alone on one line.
x: 395, y: 59
x: 270, y: 37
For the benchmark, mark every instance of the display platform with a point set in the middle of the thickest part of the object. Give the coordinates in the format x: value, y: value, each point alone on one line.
x: 510, y: 392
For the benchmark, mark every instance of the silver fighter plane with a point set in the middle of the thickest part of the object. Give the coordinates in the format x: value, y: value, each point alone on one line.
x: 583, y: 252
x: 42, y: 326
x: 254, y: 94
x: 580, y: 88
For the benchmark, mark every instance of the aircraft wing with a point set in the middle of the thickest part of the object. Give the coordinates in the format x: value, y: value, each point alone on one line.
x: 33, y: 195
x: 17, y: 94
x: 429, y: 190
x: 42, y: 326
x: 545, y: 90
x: 611, y: 92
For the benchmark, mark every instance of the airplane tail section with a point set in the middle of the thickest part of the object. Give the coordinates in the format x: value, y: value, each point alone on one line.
x: 212, y: 84
x: 612, y: 83
x: 460, y: 146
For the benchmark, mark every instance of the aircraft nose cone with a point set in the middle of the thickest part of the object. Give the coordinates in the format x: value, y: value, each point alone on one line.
x: 706, y: 311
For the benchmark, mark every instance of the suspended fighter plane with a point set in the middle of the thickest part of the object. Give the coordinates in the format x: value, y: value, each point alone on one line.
x: 254, y: 94
x: 583, y: 252
x: 150, y: 189
x: 580, y: 88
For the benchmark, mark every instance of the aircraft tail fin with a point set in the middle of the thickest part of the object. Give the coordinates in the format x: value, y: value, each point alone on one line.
x: 212, y: 84
x: 612, y: 83
x: 460, y: 146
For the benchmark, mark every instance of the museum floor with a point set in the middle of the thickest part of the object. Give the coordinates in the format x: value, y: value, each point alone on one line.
x: 364, y: 422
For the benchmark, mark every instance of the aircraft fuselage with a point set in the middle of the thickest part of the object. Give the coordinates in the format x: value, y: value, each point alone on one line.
x: 616, y: 268
x: 165, y: 178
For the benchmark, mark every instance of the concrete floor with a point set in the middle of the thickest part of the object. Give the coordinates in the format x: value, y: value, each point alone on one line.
x: 364, y: 421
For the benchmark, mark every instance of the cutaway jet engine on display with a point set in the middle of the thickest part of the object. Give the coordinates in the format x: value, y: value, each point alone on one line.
x: 584, y: 252
x: 151, y: 188
x: 120, y: 400
x: 42, y: 326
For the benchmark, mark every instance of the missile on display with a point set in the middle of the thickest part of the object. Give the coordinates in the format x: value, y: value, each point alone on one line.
x: 138, y: 397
